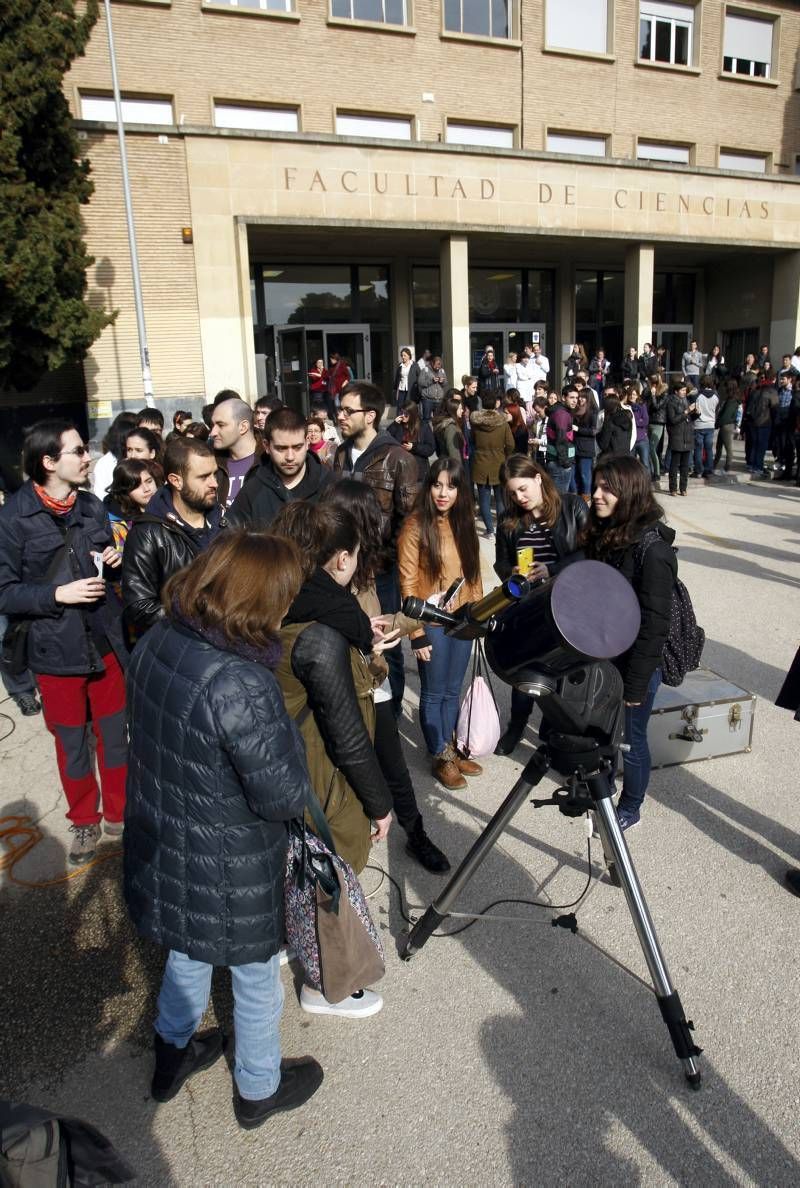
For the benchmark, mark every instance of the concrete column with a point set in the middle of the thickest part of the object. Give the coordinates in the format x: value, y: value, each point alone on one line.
x: 784, y: 330
x: 639, y: 276
x: 402, y: 308
x: 558, y: 350
x: 250, y: 389
x: 454, y: 280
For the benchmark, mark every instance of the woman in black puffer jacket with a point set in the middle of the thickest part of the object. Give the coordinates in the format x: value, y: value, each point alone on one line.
x: 625, y: 530
x: 548, y: 523
x: 216, y: 771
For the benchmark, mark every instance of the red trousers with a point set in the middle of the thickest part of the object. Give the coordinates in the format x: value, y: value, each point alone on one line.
x: 69, y: 703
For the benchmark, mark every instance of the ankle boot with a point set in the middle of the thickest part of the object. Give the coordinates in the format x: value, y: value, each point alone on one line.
x: 466, y: 766
x: 420, y: 846
x: 174, y: 1065
x: 446, y: 772
x: 510, y: 739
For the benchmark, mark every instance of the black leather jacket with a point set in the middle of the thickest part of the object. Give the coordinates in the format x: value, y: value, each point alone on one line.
x: 157, y: 546
x: 572, y: 517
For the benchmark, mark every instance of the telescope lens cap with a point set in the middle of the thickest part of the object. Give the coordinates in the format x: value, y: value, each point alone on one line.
x: 595, y: 609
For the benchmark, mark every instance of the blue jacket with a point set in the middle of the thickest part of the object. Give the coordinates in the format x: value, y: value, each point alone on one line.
x: 62, y: 640
x: 215, y: 770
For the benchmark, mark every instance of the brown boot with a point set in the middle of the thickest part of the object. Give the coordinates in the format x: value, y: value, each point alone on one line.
x: 447, y: 773
x: 466, y: 766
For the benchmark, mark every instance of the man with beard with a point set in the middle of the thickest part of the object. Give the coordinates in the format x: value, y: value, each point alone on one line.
x: 181, y: 520
x: 288, y: 471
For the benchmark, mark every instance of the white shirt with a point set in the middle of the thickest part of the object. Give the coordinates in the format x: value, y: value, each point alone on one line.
x: 510, y: 373
x: 103, y: 475
x: 526, y: 378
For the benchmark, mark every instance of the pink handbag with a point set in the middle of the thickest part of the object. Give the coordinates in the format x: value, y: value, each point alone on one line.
x: 478, y: 730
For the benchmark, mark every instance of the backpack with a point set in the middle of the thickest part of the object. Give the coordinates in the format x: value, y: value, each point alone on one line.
x: 683, y: 647
x: 39, y: 1149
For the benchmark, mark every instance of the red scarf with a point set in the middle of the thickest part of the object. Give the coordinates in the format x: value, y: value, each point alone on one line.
x: 59, y: 506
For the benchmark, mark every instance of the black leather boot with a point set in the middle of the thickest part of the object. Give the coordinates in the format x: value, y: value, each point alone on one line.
x: 510, y: 740
x: 420, y: 846
x: 174, y: 1065
x: 300, y: 1079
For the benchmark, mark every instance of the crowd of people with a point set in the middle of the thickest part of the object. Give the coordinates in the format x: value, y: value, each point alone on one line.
x: 246, y: 572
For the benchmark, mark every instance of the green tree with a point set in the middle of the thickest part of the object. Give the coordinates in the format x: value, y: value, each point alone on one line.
x: 44, y: 318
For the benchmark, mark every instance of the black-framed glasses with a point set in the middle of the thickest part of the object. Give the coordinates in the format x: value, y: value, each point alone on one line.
x: 79, y: 452
x: 347, y: 412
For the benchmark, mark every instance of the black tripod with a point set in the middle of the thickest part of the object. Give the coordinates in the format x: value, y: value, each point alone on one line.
x: 587, y: 761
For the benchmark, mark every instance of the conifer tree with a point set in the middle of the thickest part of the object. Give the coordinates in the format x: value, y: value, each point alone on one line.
x: 44, y: 318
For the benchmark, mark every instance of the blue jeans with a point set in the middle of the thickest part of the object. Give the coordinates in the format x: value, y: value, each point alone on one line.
x: 485, y: 504
x: 636, y: 762
x: 760, y: 439
x: 703, y: 440
x: 641, y: 450
x: 562, y: 476
x: 583, y: 468
x: 440, y: 680
x: 257, y: 1006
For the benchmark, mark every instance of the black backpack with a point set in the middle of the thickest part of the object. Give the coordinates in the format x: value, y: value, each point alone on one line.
x: 683, y: 648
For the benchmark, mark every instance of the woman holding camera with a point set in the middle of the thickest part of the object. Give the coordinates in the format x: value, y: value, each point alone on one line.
x: 540, y: 528
x: 437, y: 547
x: 625, y: 530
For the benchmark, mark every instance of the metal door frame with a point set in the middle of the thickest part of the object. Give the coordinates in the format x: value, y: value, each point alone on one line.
x: 686, y: 328
x: 505, y: 328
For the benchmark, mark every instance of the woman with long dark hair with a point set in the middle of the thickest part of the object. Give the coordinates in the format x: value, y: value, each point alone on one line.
x: 585, y: 440
x: 361, y: 501
x: 414, y: 435
x: 448, y: 430
x: 626, y: 530
x: 143, y: 444
x: 437, y: 546
x: 134, y: 484
x: 327, y: 688
x: 540, y: 528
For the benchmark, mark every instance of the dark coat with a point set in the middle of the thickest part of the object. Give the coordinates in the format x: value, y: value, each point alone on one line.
x: 680, y: 430
x: 490, y: 378
x: 656, y: 407
x: 586, y: 433
x: 264, y: 494
x: 422, y: 449
x: 614, y: 437
x: 157, y: 546
x: 393, y: 475
x: 571, y: 519
x: 215, y: 770
x: 62, y: 640
x: 789, y: 696
x: 653, y: 581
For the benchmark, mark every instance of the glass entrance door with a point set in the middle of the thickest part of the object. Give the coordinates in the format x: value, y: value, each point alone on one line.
x: 503, y: 339
x: 351, y: 343
x: 299, y: 347
x: 676, y: 340
x: 292, y: 376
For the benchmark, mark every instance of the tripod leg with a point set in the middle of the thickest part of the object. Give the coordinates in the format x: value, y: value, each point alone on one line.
x: 534, y: 771
x: 668, y: 1000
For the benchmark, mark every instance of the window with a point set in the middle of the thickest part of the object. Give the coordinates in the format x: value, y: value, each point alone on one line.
x: 665, y: 32
x: 577, y: 25
x: 480, y: 18
x: 255, y: 5
x: 750, y: 162
x: 576, y: 143
x: 747, y: 47
x: 386, y: 127
x: 484, y: 134
x: 272, y: 119
x: 651, y: 150
x: 386, y: 12
x: 134, y: 111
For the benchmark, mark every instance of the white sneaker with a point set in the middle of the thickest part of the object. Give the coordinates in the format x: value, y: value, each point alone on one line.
x: 84, y: 843
x: 358, y: 1006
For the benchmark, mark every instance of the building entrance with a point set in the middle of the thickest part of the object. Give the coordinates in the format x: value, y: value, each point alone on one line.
x: 676, y: 340
x: 299, y: 347
x: 503, y: 339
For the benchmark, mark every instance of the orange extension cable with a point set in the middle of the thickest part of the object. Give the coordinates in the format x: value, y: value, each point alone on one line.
x: 26, y: 829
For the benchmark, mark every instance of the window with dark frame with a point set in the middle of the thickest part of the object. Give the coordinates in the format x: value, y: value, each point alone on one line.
x: 479, y: 18
x: 384, y: 12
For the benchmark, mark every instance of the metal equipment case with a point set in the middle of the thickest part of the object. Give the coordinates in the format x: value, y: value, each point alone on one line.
x: 705, y: 717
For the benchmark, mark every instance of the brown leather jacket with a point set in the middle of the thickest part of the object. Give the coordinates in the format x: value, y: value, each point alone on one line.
x: 392, y: 473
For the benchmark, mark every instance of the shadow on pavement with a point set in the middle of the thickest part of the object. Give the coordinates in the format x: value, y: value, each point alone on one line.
x: 584, y: 1057
x: 76, y: 984
x: 743, y: 668
x: 717, y: 560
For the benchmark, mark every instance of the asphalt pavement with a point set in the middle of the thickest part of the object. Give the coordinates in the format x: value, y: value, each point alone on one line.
x: 516, y: 1052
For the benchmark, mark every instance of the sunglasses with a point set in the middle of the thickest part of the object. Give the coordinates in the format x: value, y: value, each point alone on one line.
x: 79, y: 452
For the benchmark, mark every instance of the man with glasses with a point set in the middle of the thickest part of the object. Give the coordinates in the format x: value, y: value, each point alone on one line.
x: 373, y: 456
x: 56, y: 553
